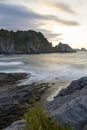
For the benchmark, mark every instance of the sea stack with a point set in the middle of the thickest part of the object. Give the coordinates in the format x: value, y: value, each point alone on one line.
x: 64, y: 48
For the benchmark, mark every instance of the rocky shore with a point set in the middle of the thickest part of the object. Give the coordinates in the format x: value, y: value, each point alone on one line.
x: 14, y: 99
x: 70, y: 105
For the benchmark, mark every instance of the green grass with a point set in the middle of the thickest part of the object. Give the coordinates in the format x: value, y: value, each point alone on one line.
x: 37, y: 119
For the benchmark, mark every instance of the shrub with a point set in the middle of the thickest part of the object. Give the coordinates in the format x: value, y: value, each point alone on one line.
x: 39, y: 120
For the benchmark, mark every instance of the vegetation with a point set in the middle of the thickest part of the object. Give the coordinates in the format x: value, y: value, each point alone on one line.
x: 39, y: 120
x: 6, y: 33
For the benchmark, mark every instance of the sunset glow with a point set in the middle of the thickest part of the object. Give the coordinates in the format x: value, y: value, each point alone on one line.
x: 59, y: 20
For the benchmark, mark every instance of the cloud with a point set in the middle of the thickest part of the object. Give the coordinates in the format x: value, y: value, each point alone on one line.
x: 18, y: 11
x: 58, y: 6
x: 62, y: 21
x: 52, y: 37
x: 49, y: 34
x: 18, y: 16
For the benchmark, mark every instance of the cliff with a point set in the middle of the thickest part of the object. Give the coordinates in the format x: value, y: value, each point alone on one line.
x: 64, y: 48
x: 23, y: 42
x: 28, y: 42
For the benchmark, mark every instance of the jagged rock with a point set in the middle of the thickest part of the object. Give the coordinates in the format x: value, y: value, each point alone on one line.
x: 17, y: 125
x: 15, y: 99
x: 70, y: 105
x: 11, y: 77
x: 64, y: 48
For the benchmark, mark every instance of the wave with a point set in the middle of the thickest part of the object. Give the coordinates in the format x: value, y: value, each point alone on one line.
x: 11, y: 63
x: 54, y: 73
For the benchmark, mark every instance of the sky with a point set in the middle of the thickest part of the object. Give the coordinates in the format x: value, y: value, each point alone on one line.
x: 59, y: 20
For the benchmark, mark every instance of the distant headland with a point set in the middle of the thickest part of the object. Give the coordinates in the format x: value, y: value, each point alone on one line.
x: 29, y: 42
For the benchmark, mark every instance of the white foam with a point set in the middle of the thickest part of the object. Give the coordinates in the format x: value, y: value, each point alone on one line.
x: 13, y: 71
x: 46, y: 68
x: 13, y: 63
x: 52, y: 74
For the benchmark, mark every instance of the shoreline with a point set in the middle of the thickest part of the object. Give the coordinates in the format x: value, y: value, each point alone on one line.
x: 16, y: 100
x: 65, y: 106
x: 53, y: 91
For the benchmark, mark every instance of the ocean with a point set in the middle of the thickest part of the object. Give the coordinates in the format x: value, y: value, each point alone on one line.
x: 58, y: 68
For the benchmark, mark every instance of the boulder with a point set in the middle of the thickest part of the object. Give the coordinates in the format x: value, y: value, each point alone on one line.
x: 70, y: 105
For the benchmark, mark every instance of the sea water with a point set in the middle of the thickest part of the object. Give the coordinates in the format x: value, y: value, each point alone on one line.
x: 60, y: 68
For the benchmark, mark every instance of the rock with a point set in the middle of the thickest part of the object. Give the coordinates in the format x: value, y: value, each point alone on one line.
x: 85, y: 127
x: 75, y: 85
x: 70, y: 105
x: 17, y: 125
x: 64, y: 48
x: 14, y: 99
x: 11, y: 77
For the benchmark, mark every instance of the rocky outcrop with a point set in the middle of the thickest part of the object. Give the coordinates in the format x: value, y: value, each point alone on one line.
x: 70, y: 105
x: 15, y: 99
x: 17, y: 125
x: 23, y: 42
x: 11, y: 78
x: 64, y: 48
x: 28, y: 42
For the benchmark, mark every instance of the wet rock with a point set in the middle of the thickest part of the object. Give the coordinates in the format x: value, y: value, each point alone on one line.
x: 11, y: 78
x: 14, y: 99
